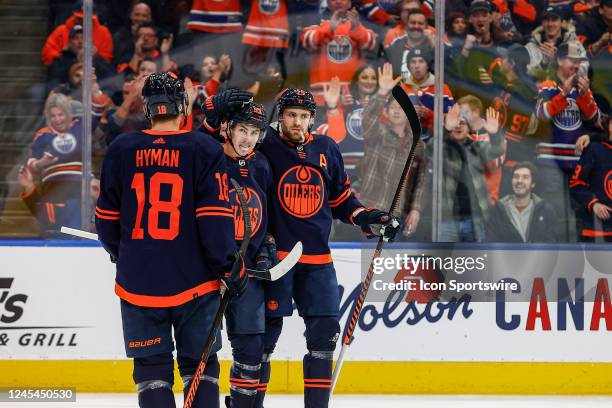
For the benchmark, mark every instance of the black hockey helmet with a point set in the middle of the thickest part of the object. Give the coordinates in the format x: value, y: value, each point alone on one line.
x: 164, y: 94
x: 252, y: 114
x: 296, y: 98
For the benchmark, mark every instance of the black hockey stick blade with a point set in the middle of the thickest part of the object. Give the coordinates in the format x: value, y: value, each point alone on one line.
x: 404, y: 101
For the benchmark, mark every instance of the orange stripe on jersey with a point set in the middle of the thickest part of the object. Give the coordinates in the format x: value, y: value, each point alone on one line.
x: 308, y: 259
x: 591, y: 203
x: 213, y: 208
x: 164, y: 133
x: 107, y: 211
x: 593, y: 233
x: 167, y: 301
x: 211, y: 214
x: 107, y: 217
x: 343, y: 197
x: 51, y: 213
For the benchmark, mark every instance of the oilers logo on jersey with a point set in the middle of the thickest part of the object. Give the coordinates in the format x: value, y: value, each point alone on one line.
x: 569, y: 118
x: 269, y: 6
x: 608, y: 184
x: 64, y: 143
x: 301, y: 191
x: 255, y: 212
x: 353, y: 123
x: 340, y: 49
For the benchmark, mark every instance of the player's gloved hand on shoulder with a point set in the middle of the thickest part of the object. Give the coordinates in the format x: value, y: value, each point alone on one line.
x: 237, y: 278
x: 218, y: 106
x: 375, y: 223
x: 266, y: 257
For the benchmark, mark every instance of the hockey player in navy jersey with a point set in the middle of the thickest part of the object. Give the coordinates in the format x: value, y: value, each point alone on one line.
x: 165, y: 218
x: 245, y: 316
x: 310, y: 189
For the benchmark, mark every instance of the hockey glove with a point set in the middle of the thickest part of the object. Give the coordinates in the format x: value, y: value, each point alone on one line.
x: 375, y: 223
x: 266, y: 257
x: 217, y: 107
x: 236, y: 280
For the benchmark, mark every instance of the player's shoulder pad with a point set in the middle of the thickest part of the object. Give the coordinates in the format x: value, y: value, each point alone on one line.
x: 125, y: 140
x: 207, y: 144
x: 326, y: 142
x: 261, y: 161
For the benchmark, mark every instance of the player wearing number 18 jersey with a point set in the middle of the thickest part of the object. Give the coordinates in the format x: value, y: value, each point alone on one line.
x: 164, y: 215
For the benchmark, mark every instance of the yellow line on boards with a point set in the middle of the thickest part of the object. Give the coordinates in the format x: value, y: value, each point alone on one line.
x: 358, y: 377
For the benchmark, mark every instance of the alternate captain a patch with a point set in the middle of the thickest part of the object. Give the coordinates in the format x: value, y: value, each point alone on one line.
x: 301, y: 191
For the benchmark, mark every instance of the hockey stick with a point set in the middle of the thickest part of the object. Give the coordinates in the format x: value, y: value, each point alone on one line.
x: 195, y: 382
x: 272, y: 274
x: 404, y: 101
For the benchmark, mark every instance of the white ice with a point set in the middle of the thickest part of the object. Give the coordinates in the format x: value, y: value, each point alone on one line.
x: 359, y: 401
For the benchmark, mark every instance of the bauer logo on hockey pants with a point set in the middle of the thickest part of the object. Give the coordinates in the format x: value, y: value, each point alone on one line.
x: 144, y: 343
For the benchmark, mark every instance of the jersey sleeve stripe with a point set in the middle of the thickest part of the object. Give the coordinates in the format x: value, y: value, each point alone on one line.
x: 211, y: 214
x: 213, y: 208
x: 343, y: 197
x: 107, y: 217
x: 109, y: 212
x: 167, y: 301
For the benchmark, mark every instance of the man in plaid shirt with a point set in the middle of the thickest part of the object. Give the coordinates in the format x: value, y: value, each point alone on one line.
x: 385, y: 152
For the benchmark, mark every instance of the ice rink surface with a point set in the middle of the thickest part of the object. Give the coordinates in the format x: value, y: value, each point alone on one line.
x: 359, y: 401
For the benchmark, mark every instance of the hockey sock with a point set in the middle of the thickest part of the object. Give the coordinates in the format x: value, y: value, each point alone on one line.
x: 244, y: 374
x: 274, y: 326
x: 154, y: 378
x: 321, y: 337
x: 207, y: 395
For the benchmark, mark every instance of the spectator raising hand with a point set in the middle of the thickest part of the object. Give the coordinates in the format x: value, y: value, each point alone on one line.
x: 491, y: 124
x: 331, y: 94
x: 192, y: 93
x: 386, y: 82
x: 166, y: 44
x: 353, y: 17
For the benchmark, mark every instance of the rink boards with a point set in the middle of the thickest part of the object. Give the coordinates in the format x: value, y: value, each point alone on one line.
x: 60, y: 326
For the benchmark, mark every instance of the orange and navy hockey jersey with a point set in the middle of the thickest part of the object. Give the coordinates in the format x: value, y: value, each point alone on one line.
x: 592, y: 183
x: 66, y: 147
x: 268, y: 24
x: 164, y: 213
x: 566, y: 115
x: 215, y: 16
x: 423, y: 94
x: 310, y: 189
x: 339, y: 53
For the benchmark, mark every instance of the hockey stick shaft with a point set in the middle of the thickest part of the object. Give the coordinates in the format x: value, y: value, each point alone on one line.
x: 404, y: 101
x: 195, y: 382
x: 271, y: 274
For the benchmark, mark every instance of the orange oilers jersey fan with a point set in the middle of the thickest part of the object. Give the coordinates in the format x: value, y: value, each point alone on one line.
x: 215, y: 16
x: 268, y: 24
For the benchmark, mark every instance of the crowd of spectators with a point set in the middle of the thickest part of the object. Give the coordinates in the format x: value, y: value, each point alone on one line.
x: 526, y: 93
